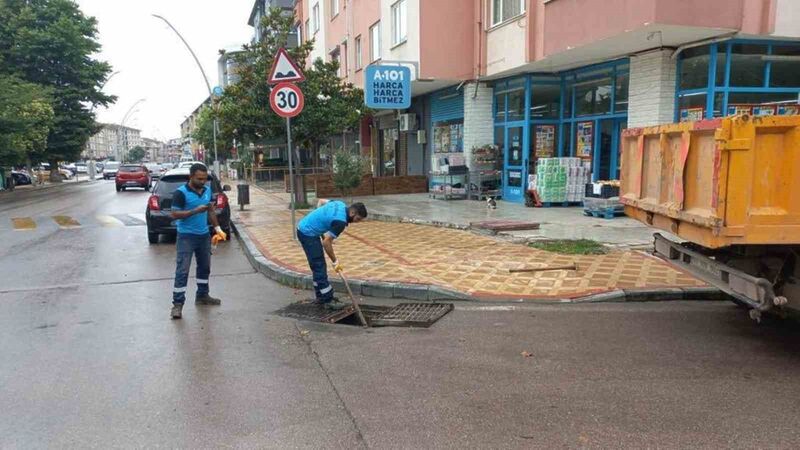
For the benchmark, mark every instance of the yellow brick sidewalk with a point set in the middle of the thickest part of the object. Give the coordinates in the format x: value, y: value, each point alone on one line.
x: 457, y: 260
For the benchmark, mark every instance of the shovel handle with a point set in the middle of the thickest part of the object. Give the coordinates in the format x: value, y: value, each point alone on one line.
x: 354, y: 301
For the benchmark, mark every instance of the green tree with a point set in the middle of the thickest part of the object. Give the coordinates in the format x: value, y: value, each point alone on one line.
x: 25, y: 119
x: 136, y: 154
x: 331, y: 105
x: 51, y: 43
x: 204, y: 134
x: 348, y: 171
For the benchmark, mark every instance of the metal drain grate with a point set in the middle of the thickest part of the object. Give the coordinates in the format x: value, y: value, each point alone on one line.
x: 412, y: 315
x: 403, y: 315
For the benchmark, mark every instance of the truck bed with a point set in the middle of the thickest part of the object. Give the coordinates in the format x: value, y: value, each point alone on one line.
x: 717, y: 183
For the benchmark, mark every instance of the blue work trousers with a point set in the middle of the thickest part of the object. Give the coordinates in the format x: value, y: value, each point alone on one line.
x: 187, y: 245
x: 312, y: 246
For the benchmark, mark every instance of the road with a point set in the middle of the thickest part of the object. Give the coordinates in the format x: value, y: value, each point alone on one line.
x: 90, y: 359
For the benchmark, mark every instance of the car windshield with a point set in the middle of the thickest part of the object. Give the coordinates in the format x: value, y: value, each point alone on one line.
x: 130, y: 169
x: 168, y: 185
x: 112, y: 165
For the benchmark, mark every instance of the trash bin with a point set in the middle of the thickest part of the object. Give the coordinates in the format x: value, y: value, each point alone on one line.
x: 243, y: 195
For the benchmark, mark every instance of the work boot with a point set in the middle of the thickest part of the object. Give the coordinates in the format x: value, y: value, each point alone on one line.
x: 177, y: 310
x: 334, y: 305
x: 206, y: 300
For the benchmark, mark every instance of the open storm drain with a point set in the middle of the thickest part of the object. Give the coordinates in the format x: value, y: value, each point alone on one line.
x: 420, y: 315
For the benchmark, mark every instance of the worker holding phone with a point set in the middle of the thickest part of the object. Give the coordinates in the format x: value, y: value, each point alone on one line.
x: 191, y: 205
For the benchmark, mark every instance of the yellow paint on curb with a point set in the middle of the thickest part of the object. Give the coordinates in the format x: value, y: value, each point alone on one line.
x: 66, y: 222
x: 23, y: 223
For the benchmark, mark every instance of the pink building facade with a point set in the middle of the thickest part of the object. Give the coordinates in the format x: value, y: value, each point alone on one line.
x: 548, y: 78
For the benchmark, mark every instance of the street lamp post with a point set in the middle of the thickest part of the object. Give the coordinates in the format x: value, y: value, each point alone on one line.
x: 125, y: 118
x: 208, y: 85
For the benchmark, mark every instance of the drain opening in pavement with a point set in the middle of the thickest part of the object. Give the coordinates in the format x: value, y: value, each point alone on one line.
x: 421, y: 315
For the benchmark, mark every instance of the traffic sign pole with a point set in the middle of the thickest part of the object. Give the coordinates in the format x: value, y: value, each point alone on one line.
x: 291, y: 173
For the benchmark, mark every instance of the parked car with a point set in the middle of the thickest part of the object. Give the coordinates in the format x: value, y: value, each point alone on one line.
x: 188, y: 164
x: 44, y: 172
x: 21, y: 178
x: 155, y: 170
x: 159, y: 205
x: 110, y: 169
x: 81, y: 167
x: 133, y: 175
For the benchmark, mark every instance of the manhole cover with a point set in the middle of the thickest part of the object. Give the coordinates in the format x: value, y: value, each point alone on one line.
x: 403, y: 315
x: 412, y: 315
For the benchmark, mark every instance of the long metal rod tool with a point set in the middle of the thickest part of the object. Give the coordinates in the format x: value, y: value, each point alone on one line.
x: 544, y: 269
x: 354, y: 301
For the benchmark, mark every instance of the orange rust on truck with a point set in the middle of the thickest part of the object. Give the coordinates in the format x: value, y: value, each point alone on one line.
x: 717, y: 183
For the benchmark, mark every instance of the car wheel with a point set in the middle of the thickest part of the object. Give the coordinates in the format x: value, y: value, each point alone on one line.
x: 152, y: 237
x: 119, y: 188
x: 147, y: 188
x: 123, y: 188
x: 227, y: 232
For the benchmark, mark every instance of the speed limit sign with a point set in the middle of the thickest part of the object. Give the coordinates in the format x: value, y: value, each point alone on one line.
x: 286, y: 100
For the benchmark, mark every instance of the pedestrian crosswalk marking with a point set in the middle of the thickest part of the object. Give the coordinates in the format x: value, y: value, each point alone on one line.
x: 23, y: 223
x: 129, y: 219
x: 66, y: 222
x: 110, y: 221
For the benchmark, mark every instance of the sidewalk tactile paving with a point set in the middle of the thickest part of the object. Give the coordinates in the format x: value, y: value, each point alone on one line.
x: 454, y: 259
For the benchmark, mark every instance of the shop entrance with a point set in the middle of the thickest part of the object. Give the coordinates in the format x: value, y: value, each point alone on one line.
x: 605, y: 161
x: 514, y: 170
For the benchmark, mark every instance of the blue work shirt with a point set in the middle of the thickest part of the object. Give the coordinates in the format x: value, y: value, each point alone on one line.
x: 330, y: 219
x: 186, y: 199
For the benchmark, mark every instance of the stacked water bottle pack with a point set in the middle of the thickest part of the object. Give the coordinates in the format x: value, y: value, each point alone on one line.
x: 559, y: 180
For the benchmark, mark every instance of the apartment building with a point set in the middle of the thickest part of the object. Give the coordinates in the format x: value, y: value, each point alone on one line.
x: 541, y: 78
x: 111, y: 142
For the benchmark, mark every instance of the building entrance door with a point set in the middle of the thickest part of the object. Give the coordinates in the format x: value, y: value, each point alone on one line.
x: 514, y: 164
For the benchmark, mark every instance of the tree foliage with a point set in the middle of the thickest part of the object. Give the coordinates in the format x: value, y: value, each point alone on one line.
x: 26, y: 115
x: 51, y: 43
x: 348, y: 171
x: 136, y: 154
x: 204, y: 134
x: 331, y: 105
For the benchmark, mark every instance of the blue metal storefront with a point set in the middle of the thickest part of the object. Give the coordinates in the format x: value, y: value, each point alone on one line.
x: 447, y: 130
x: 754, y: 77
x: 576, y: 113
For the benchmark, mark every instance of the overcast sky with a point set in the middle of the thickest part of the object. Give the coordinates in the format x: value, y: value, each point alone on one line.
x: 154, y: 64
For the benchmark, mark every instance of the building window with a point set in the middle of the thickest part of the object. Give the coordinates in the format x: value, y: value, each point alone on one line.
x: 545, y: 101
x: 748, y: 66
x: 358, y: 52
x: 757, y: 79
x: 375, y: 42
x: 694, y: 68
x: 503, y: 10
x: 399, y: 23
x: 785, y: 71
x: 334, y: 8
x: 315, y: 16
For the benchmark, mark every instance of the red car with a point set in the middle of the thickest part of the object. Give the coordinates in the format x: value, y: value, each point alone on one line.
x: 133, y: 175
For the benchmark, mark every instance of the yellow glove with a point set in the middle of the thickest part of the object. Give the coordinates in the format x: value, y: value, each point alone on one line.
x: 219, y: 236
x: 338, y: 267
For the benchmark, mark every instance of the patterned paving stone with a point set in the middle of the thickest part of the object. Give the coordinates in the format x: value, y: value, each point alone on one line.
x: 460, y: 260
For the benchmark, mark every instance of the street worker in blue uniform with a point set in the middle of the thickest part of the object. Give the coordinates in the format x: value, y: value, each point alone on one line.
x: 191, y: 205
x: 316, y: 232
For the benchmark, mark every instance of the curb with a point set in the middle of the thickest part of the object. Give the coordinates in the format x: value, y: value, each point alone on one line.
x: 425, y: 292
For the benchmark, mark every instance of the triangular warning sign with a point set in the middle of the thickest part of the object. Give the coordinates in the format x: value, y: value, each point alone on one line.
x: 284, y: 69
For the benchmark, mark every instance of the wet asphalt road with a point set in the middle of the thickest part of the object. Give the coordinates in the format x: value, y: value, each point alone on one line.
x: 90, y: 359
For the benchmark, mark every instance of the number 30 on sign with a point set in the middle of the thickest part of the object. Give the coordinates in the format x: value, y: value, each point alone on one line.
x: 286, y: 100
